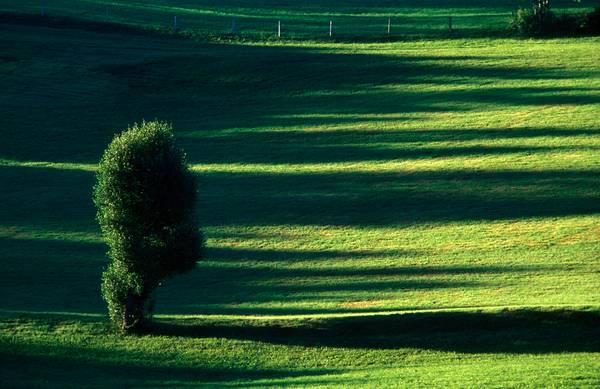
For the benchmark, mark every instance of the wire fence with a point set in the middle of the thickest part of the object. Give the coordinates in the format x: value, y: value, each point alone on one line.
x: 432, y: 22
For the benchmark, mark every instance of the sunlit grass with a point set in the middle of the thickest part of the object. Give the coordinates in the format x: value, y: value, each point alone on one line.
x: 342, y: 187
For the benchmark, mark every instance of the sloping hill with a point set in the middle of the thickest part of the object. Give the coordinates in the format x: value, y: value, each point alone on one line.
x: 413, y: 214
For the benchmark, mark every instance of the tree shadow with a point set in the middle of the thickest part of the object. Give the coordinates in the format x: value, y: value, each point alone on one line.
x: 52, y: 275
x: 47, y: 196
x: 297, y: 146
x: 394, y: 198
x: 232, y: 255
x: 318, y: 287
x: 521, y: 331
x: 60, y: 365
x: 264, y: 87
x: 254, y: 276
x: 232, y: 87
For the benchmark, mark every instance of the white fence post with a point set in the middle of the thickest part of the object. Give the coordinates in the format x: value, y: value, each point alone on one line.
x: 175, y: 23
x: 331, y: 28
x: 279, y: 29
x: 389, y: 26
x: 233, y: 26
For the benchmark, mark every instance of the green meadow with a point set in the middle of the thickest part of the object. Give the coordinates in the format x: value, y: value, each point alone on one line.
x: 307, y: 19
x: 419, y: 212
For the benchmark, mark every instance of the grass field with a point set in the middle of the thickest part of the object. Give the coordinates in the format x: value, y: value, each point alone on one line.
x: 417, y: 213
x: 258, y: 19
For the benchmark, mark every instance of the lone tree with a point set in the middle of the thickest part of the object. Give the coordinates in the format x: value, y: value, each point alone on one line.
x: 145, y: 197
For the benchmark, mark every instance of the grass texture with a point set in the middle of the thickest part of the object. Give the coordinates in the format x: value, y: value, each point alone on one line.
x: 259, y: 19
x: 411, y: 214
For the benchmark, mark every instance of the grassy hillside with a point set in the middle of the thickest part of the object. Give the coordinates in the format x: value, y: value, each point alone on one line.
x: 302, y: 19
x: 408, y: 213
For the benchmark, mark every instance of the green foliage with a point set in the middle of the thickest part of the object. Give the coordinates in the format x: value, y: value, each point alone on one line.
x: 540, y: 21
x: 145, y: 197
x: 535, y: 23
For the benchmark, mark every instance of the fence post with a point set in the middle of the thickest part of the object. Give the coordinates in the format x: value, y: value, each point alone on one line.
x: 450, y: 23
x: 175, y: 23
x: 331, y: 28
x: 389, y: 26
x: 279, y: 29
x: 233, y: 26
x: 41, y: 7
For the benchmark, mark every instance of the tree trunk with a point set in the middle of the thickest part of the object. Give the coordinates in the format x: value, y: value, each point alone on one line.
x: 133, y: 313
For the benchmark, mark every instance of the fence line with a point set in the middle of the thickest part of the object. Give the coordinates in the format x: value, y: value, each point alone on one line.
x: 297, y: 27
